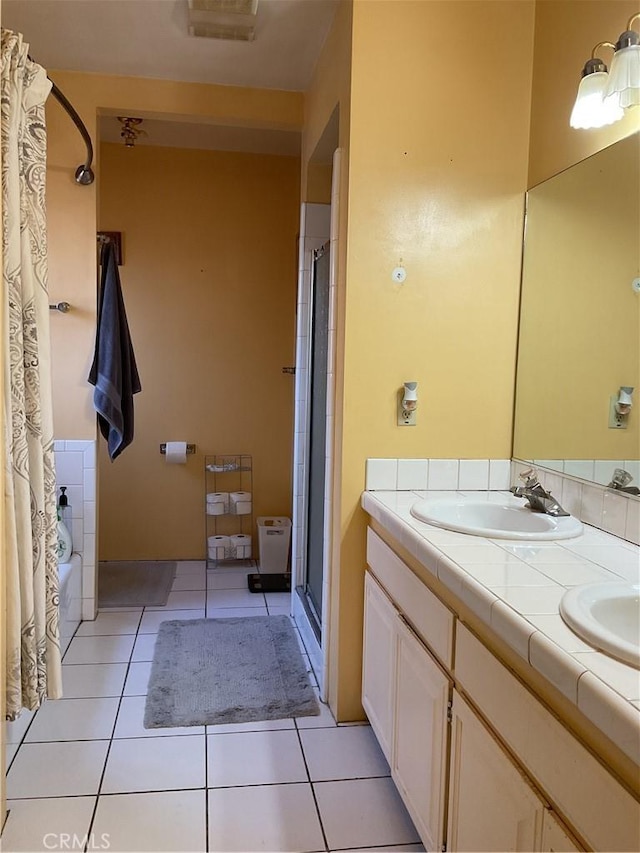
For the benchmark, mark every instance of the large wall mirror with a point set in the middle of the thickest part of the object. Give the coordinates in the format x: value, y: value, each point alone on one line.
x: 580, y: 317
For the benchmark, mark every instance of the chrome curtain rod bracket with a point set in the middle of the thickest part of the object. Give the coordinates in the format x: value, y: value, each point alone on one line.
x: 84, y: 173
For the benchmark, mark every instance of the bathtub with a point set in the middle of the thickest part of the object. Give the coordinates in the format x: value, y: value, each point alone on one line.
x: 70, y: 575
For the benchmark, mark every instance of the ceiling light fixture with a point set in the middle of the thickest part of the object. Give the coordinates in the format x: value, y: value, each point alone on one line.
x: 131, y: 130
x: 603, y: 96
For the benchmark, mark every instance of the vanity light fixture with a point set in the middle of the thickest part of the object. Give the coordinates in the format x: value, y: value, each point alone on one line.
x: 604, y: 95
x: 624, y: 77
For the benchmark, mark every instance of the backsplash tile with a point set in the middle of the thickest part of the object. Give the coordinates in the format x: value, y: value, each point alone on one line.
x: 412, y: 474
x: 598, y: 471
x: 499, y: 474
x: 632, y: 529
x: 443, y: 474
x: 437, y: 474
x: 583, y: 468
x: 614, y: 513
x: 382, y: 474
x: 473, y: 474
x: 593, y: 503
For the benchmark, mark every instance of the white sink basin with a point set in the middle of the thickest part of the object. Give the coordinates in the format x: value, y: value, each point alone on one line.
x: 607, y: 616
x: 495, y: 520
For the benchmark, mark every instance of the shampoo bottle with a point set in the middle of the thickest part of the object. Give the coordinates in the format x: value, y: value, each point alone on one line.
x: 65, y: 543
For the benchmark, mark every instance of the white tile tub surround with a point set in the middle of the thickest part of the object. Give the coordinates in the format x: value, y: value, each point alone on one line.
x: 515, y: 588
x: 419, y: 475
x: 75, y: 462
x: 592, y: 503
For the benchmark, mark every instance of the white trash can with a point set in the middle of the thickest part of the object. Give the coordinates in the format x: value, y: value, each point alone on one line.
x: 274, y: 536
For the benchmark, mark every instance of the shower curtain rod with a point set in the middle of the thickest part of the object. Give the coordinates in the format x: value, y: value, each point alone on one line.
x: 84, y: 173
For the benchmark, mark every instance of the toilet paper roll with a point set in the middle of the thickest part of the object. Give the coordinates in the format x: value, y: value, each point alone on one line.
x: 241, y: 544
x: 176, y: 452
x: 217, y: 503
x: 240, y: 503
x: 219, y: 547
x: 216, y: 509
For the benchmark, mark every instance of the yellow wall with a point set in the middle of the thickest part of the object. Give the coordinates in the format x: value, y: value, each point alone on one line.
x: 565, y: 33
x: 3, y: 568
x: 72, y: 209
x: 580, y: 327
x: 319, y: 184
x: 330, y: 90
x: 209, y: 280
x: 437, y: 170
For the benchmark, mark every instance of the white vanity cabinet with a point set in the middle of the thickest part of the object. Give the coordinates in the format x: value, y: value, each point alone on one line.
x: 503, y: 759
x: 378, y: 664
x: 491, y: 804
x: 405, y: 694
x: 419, y: 753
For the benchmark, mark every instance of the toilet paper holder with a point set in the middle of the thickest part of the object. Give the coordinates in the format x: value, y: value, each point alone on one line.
x: 191, y: 448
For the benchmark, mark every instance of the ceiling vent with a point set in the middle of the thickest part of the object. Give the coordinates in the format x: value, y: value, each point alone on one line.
x: 233, y: 20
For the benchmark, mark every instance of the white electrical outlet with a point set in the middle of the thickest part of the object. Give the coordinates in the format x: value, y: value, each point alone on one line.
x: 405, y: 417
x: 616, y: 420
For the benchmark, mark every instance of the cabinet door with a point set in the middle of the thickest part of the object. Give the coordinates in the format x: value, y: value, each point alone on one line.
x: 419, y: 762
x: 556, y: 837
x: 491, y: 805
x: 378, y: 668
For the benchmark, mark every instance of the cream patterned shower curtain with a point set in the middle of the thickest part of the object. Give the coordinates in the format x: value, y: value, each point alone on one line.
x: 30, y: 537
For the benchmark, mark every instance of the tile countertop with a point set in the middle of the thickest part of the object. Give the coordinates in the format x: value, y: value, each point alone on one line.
x: 515, y: 587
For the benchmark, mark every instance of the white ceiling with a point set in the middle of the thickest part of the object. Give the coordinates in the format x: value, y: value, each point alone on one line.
x: 149, y: 38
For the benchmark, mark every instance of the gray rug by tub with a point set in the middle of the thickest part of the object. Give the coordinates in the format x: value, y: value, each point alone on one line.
x: 139, y: 583
x: 238, y: 670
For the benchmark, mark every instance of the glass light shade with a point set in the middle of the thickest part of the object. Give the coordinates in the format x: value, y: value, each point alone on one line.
x: 624, y: 77
x: 591, y: 109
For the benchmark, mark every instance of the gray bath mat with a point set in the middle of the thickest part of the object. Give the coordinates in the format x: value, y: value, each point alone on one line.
x: 239, y: 670
x: 134, y: 584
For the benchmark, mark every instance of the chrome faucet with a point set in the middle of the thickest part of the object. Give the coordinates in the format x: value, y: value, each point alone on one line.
x: 620, y: 481
x: 538, y: 499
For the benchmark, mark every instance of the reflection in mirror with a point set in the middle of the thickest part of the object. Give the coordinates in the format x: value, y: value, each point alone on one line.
x: 579, y: 337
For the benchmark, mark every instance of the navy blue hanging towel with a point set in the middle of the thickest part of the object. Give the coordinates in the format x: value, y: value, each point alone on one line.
x: 113, y: 372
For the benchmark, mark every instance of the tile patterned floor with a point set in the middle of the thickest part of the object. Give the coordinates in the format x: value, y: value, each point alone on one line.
x: 85, y: 773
